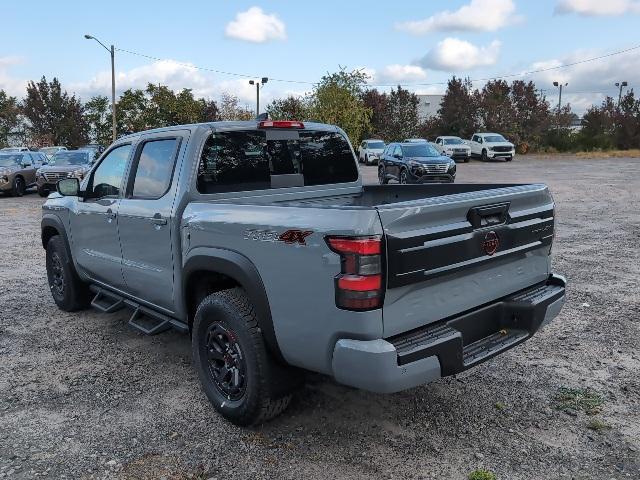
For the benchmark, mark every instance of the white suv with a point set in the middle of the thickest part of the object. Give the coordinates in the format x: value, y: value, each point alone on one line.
x: 453, y: 147
x: 491, y: 145
x: 369, y: 151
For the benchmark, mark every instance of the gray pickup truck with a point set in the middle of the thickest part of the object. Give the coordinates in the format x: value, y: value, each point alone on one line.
x: 260, y: 239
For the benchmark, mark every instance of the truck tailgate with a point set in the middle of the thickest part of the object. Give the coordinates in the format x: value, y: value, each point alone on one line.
x: 452, y: 253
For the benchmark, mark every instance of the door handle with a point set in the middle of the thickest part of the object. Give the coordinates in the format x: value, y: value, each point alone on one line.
x: 157, y: 219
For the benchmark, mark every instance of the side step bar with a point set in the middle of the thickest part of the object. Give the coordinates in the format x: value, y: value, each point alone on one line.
x: 143, y: 319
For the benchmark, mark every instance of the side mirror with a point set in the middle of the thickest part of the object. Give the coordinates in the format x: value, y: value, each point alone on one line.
x: 68, y: 187
x: 397, y: 155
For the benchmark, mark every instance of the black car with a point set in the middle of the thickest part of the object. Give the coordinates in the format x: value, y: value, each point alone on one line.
x: 415, y: 163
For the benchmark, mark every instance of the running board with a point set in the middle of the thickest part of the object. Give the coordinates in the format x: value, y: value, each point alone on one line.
x: 143, y: 319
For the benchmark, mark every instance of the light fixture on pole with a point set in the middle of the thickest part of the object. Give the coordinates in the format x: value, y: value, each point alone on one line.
x: 112, y: 51
x: 258, y: 84
x: 620, y: 85
x: 559, y: 85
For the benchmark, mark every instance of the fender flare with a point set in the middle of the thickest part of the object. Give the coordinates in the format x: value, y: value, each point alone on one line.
x: 238, y: 267
x: 53, y: 221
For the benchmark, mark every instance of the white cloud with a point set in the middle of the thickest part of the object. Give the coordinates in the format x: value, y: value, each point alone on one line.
x: 478, y: 15
x: 588, y: 82
x: 256, y: 26
x: 13, y: 86
x: 401, y: 73
x: 598, y: 7
x: 455, y: 55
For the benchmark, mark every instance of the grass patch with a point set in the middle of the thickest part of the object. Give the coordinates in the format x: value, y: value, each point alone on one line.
x: 482, y: 475
x: 579, y: 400
x: 597, y: 425
x: 500, y: 406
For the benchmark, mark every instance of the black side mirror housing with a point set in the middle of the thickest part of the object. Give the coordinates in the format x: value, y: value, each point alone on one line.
x: 68, y: 187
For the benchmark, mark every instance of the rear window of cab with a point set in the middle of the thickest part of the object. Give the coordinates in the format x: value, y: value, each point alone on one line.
x: 243, y: 160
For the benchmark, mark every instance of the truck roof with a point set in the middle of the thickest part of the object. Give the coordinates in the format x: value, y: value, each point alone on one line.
x: 229, y: 125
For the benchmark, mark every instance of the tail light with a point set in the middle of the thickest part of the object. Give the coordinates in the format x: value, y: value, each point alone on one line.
x: 280, y: 124
x: 359, y: 286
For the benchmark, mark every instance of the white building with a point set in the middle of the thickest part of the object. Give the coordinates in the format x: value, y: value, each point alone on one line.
x: 428, y: 106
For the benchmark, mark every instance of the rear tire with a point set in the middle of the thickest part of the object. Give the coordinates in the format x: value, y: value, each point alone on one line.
x: 237, y: 373
x: 68, y: 291
x: 18, y: 188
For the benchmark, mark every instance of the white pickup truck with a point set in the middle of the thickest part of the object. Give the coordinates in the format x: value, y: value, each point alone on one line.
x: 491, y: 145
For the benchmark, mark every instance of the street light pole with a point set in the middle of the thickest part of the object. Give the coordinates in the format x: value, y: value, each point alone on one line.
x: 620, y: 85
x: 258, y: 84
x: 559, y: 85
x: 112, y: 52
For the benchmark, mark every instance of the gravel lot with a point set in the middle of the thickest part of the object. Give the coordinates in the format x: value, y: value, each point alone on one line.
x: 83, y: 396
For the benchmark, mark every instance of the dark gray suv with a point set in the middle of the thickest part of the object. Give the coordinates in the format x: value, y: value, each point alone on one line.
x: 411, y: 162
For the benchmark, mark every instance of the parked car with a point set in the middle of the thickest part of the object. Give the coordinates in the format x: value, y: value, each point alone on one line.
x: 18, y: 171
x: 491, y: 145
x: 51, y: 151
x: 14, y: 149
x: 453, y: 147
x: 260, y: 239
x: 95, y: 148
x: 369, y: 151
x: 415, y: 163
x: 415, y: 140
x: 64, y: 164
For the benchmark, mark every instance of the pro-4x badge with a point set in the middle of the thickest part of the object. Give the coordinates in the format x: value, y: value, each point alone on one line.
x: 295, y: 236
x: 490, y: 243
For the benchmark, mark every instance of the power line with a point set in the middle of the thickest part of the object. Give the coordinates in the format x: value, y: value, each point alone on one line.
x: 497, y: 77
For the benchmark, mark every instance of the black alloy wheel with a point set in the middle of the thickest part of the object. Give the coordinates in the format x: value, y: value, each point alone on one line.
x: 226, y: 362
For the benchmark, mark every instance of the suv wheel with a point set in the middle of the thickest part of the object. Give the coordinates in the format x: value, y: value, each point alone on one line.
x: 68, y: 291
x: 18, y: 187
x: 237, y: 373
x: 403, y: 176
x: 382, y: 176
x: 43, y: 192
x: 484, y: 155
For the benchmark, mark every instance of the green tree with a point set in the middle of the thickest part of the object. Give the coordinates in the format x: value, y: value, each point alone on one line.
x: 458, y: 113
x: 53, y: 116
x: 495, y: 108
x: 401, y: 115
x: 531, y: 115
x: 627, y: 125
x: 209, y: 111
x: 130, y: 112
x: 289, y: 108
x: 97, y: 113
x: 338, y: 99
x: 230, y: 109
x: 377, y: 102
x: 9, y: 117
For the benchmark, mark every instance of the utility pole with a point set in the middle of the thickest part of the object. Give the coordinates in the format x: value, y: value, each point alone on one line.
x: 620, y: 85
x: 258, y: 84
x: 112, y: 52
x: 559, y: 85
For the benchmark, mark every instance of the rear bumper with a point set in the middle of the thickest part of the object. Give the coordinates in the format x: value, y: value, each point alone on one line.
x: 449, y: 346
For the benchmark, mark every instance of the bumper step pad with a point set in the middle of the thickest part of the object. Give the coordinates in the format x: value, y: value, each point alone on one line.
x: 473, y: 337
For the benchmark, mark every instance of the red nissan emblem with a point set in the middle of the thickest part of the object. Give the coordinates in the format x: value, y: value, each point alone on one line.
x: 490, y: 243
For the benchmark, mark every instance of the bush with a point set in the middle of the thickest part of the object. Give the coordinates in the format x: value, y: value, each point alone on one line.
x: 482, y: 475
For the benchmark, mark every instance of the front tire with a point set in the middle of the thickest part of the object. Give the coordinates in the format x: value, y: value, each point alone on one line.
x: 403, y: 177
x: 236, y: 371
x: 68, y: 291
x: 43, y: 192
x: 382, y: 176
x: 484, y: 156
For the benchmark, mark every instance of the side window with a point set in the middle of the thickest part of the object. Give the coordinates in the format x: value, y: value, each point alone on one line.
x: 474, y: 138
x: 398, y: 151
x: 154, y: 168
x: 107, y: 178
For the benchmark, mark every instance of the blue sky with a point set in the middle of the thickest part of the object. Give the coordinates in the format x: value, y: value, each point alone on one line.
x: 407, y: 42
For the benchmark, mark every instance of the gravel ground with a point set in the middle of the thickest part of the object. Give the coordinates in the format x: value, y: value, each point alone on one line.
x: 83, y: 396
